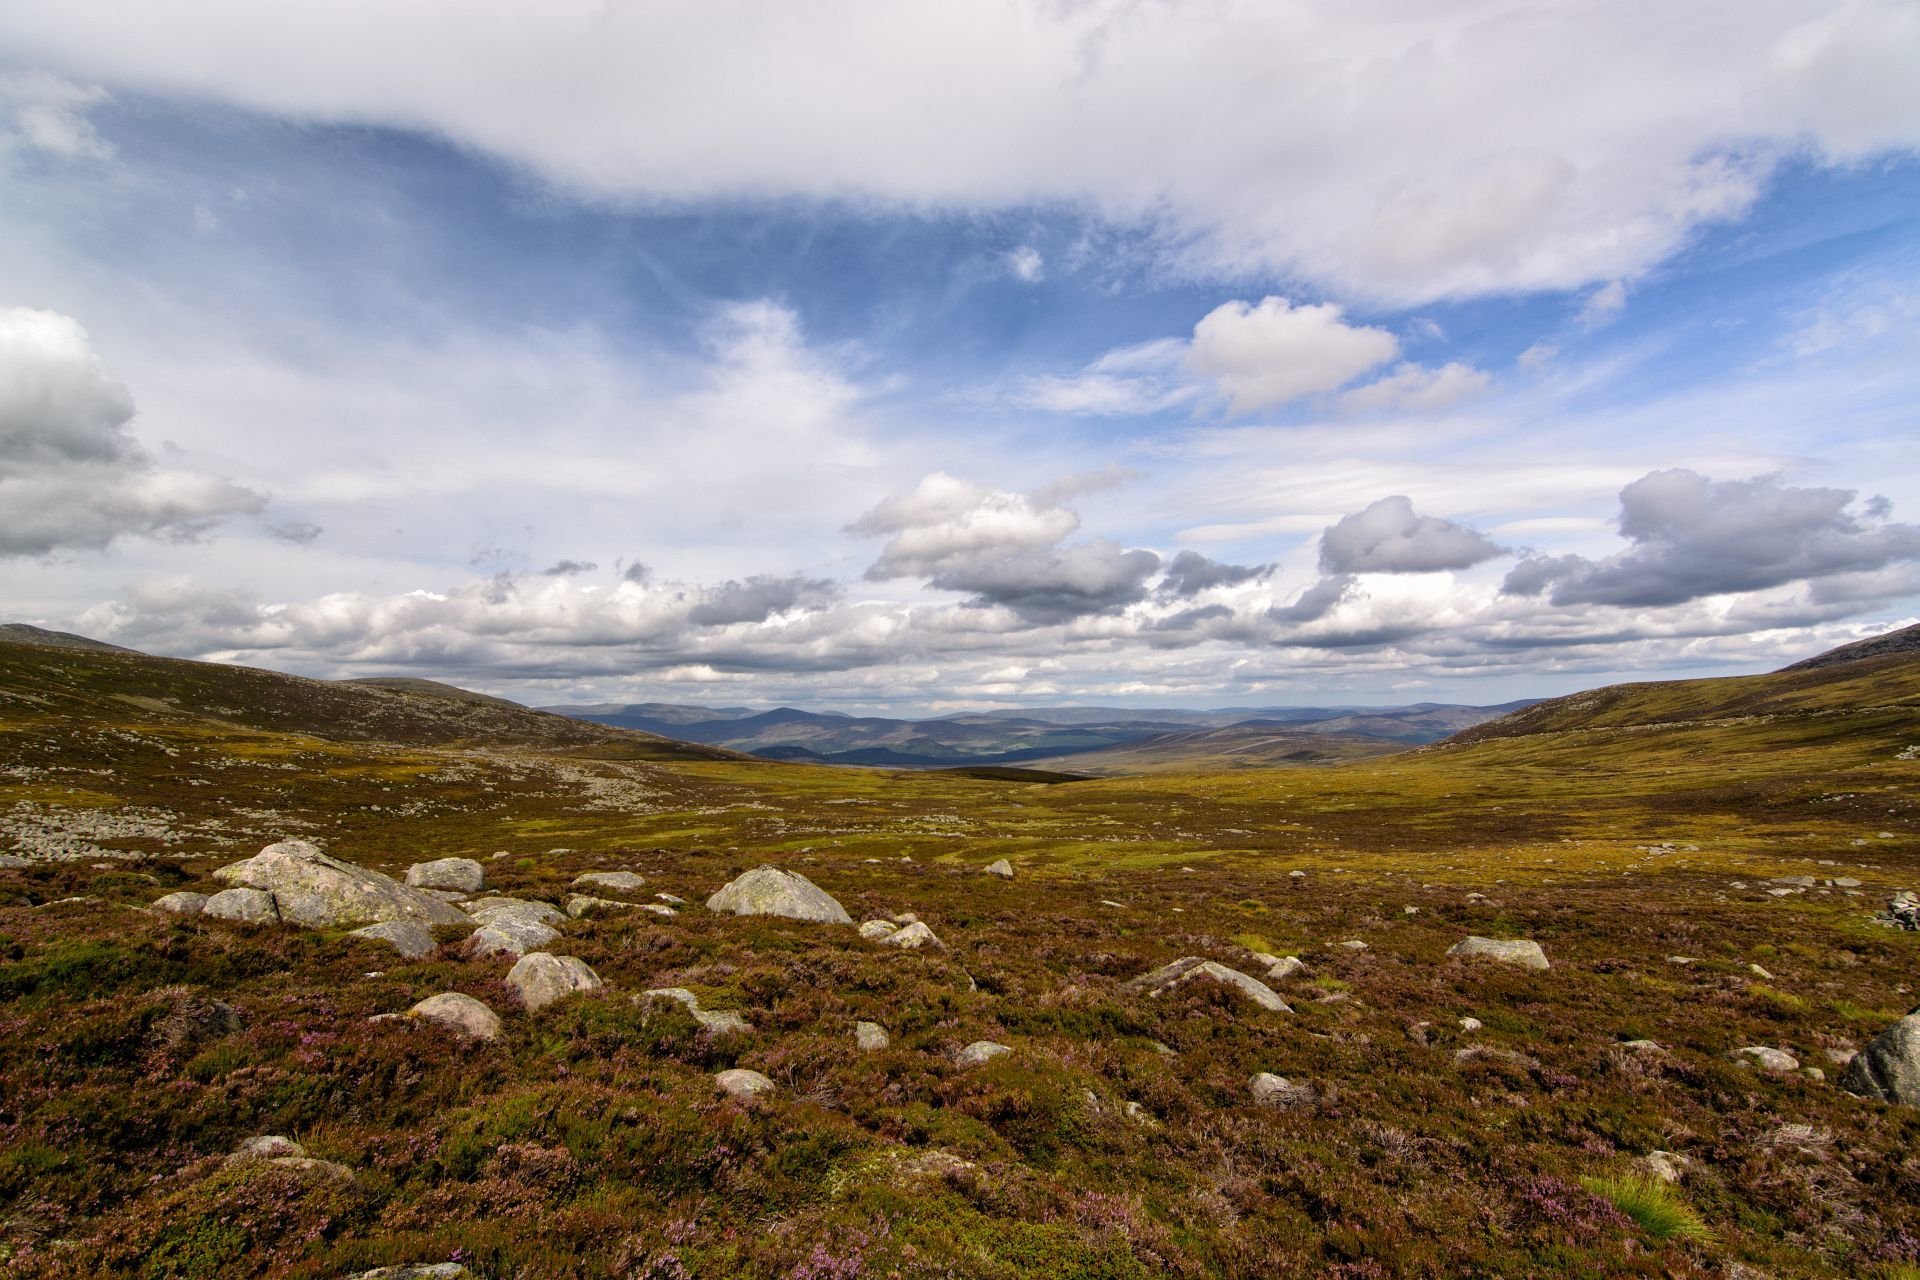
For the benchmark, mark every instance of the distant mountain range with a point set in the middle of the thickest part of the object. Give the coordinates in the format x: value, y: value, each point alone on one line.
x: 1110, y: 739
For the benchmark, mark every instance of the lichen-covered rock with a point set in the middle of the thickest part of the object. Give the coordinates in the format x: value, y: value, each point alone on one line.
x: 1270, y: 1090
x: 769, y: 891
x: 415, y: 1271
x: 249, y: 906
x: 462, y: 875
x: 742, y: 1083
x: 912, y: 938
x: 1285, y: 967
x: 495, y: 910
x: 268, y: 1146
x: 1188, y: 968
x: 460, y: 1013
x: 409, y: 939
x: 540, y: 979
x: 611, y: 881
x: 869, y: 1037
x: 719, y: 1021
x: 1002, y: 868
x: 1889, y: 1067
x: 980, y: 1051
x: 183, y: 903
x: 510, y: 937
x: 1520, y: 951
x: 321, y: 892
x: 585, y: 904
x: 875, y: 930
x: 1765, y: 1058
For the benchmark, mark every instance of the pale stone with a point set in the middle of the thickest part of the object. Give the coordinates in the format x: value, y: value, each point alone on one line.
x: 1765, y: 1058
x: 1285, y: 967
x: 719, y: 1021
x: 540, y: 979
x: 321, y: 892
x: 1188, y: 968
x: 769, y: 891
x: 874, y: 930
x: 980, y: 1051
x: 249, y: 906
x: 1270, y: 1090
x: 912, y: 938
x: 1665, y: 1165
x: 462, y: 875
x: 1521, y: 951
x: 510, y: 937
x: 581, y: 904
x: 416, y: 1271
x: 870, y: 1036
x: 404, y: 936
x: 741, y: 1083
x: 611, y: 881
x: 183, y: 903
x: 495, y: 910
x: 1002, y: 868
x: 268, y: 1146
x: 459, y: 1012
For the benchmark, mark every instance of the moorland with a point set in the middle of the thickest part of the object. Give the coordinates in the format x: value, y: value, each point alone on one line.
x: 1704, y: 864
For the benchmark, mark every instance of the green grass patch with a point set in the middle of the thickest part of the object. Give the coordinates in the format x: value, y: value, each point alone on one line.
x: 1654, y: 1206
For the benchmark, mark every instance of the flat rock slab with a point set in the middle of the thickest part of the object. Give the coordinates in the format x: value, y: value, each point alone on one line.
x: 249, y: 906
x: 321, y: 892
x: 741, y: 1083
x: 463, y: 875
x: 1189, y: 968
x: 540, y: 979
x: 494, y: 910
x: 611, y: 881
x: 1519, y: 951
x: 769, y: 891
x: 459, y: 1012
x: 510, y: 937
x: 409, y: 939
x: 1889, y: 1067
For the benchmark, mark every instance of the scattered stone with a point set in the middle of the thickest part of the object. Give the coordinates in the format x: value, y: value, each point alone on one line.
x: 906, y: 918
x: 1798, y: 882
x: 769, y: 891
x: 1471, y: 1024
x: 1285, y: 967
x: 1354, y: 944
x: 268, y: 1146
x: 1814, y: 1073
x: 581, y: 904
x: 1760, y: 973
x: 13, y: 862
x: 1889, y: 1067
x: 721, y: 1022
x: 321, y: 892
x: 1409, y: 910
x: 496, y: 910
x: 655, y: 908
x: 1270, y: 1090
x: 1765, y: 1058
x: 460, y: 1013
x: 1140, y: 1115
x: 540, y: 979
x: 1521, y: 951
x: 1002, y: 868
x: 980, y: 1051
x: 1667, y: 1166
x: 912, y: 938
x: 1903, y: 910
x: 182, y: 903
x: 416, y: 1271
x: 1187, y: 968
x: 1109, y: 902
x: 1296, y: 875
x: 741, y: 1083
x: 870, y: 1037
x: 409, y: 939
x: 1782, y: 893
x: 611, y: 881
x: 1476, y: 898
x: 874, y: 930
x: 1683, y: 960
x: 509, y: 937
x: 462, y: 875
x: 249, y: 906
x: 1839, y: 1057
x: 1844, y: 882
x: 671, y: 899
x: 1643, y: 1046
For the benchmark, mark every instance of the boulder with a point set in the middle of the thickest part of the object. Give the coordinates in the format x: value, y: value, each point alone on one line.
x: 769, y: 891
x: 415, y: 1271
x: 875, y: 930
x: 1889, y: 1067
x: 321, y: 892
x: 1270, y: 1090
x: 611, y: 881
x: 1765, y: 1058
x: 719, y: 1021
x: 741, y: 1083
x: 540, y: 979
x: 1903, y: 910
x: 980, y: 1051
x: 1002, y: 868
x: 1520, y: 951
x: 584, y: 904
x: 912, y: 938
x: 1666, y: 1166
x: 509, y: 937
x: 494, y: 910
x: 268, y: 1146
x: 1285, y: 967
x: 409, y: 939
x: 462, y: 875
x: 182, y: 903
x: 250, y: 906
x: 461, y: 1013
x: 1189, y: 968
x: 869, y: 1037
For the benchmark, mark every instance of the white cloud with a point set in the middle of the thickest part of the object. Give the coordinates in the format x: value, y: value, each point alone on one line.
x: 1390, y: 537
x: 45, y: 113
x: 1405, y: 153
x: 72, y: 477
x: 1603, y: 306
x: 1417, y: 388
x: 1026, y: 264
x: 1276, y: 352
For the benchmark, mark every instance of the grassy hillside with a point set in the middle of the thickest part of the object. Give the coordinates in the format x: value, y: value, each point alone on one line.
x: 1118, y: 1139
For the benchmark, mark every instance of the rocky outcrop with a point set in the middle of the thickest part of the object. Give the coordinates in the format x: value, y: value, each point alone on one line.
x: 540, y: 979
x: 1190, y: 968
x: 1517, y: 951
x: 1270, y: 1090
x: 313, y: 889
x: 769, y: 891
x: 1889, y: 1067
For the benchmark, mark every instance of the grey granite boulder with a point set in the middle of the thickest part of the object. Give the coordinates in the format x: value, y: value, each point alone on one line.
x: 1002, y: 868
x: 875, y: 930
x: 540, y: 979
x: 980, y: 1051
x: 611, y: 881
x: 1270, y: 1090
x: 1189, y: 968
x: 462, y: 875
x: 182, y: 903
x: 741, y: 1083
x: 1765, y: 1058
x: 585, y: 904
x: 1520, y: 951
x: 1889, y: 1067
x: 458, y: 1012
x: 495, y: 910
x: 321, y: 892
x: 912, y: 938
x: 769, y: 891
x: 411, y: 940
x: 249, y: 906
x: 869, y: 1036
x: 510, y: 937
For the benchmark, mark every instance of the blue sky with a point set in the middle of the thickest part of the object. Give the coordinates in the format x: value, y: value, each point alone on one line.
x: 1255, y: 354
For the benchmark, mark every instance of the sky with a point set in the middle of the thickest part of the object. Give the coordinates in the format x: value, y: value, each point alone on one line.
x: 908, y: 357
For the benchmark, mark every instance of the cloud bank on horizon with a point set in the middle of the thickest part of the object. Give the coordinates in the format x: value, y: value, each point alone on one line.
x: 919, y: 355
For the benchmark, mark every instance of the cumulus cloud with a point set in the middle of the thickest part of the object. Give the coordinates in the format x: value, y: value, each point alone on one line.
x: 72, y: 477
x: 1417, y: 388
x: 760, y: 598
x: 1694, y: 537
x: 1276, y: 352
x: 1316, y: 602
x: 1190, y: 573
x: 1442, y: 149
x: 1390, y: 537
